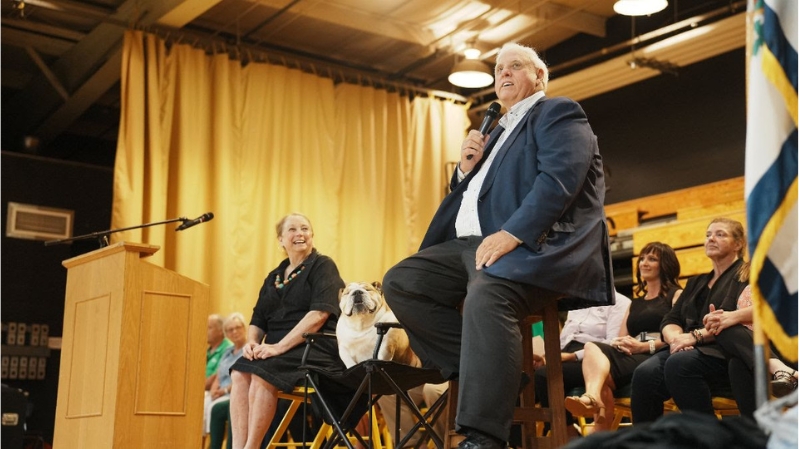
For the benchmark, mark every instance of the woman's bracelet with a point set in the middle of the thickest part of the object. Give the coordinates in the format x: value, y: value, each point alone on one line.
x: 651, y: 346
x: 698, y: 336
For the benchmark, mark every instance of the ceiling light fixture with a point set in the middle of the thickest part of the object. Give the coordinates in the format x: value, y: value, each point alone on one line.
x: 19, y: 5
x: 471, y: 72
x: 639, y: 7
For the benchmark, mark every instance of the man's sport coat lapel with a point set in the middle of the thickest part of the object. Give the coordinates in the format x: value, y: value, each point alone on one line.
x: 510, y: 143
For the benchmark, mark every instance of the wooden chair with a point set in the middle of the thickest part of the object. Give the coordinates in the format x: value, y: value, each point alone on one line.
x: 622, y: 415
x: 527, y: 414
x: 721, y: 407
x: 622, y: 412
x: 725, y: 407
x: 298, y: 397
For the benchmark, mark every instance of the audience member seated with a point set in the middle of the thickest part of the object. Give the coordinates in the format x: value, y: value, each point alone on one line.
x: 593, y: 324
x: 217, y: 399
x: 695, y: 366
x: 784, y: 377
x: 297, y: 297
x: 217, y: 343
x: 609, y: 366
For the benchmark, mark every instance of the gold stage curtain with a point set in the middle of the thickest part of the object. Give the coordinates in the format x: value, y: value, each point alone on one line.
x: 202, y: 133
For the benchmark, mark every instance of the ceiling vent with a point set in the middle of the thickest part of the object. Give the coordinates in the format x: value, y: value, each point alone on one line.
x: 26, y: 221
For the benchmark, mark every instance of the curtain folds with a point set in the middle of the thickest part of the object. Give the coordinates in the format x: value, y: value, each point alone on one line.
x: 201, y: 133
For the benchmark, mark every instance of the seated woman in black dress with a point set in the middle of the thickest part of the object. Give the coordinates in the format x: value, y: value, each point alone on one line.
x: 607, y: 367
x: 299, y: 296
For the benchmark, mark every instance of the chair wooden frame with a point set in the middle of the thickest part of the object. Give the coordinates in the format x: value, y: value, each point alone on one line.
x: 721, y: 407
x: 301, y: 396
x: 298, y: 396
x: 527, y: 413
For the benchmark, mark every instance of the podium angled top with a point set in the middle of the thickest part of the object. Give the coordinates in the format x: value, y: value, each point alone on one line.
x: 143, y: 249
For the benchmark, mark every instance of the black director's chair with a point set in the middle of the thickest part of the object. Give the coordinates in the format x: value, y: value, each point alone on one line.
x: 363, y: 384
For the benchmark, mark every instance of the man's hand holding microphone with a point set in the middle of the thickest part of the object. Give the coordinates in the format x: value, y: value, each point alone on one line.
x: 472, y: 148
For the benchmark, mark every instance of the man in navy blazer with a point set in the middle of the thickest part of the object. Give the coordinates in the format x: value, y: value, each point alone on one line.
x: 523, y: 225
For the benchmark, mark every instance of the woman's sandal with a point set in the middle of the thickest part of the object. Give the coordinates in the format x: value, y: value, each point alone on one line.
x: 579, y: 408
x: 783, y: 383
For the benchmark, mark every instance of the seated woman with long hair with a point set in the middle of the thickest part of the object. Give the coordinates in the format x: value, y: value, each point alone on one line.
x: 608, y: 367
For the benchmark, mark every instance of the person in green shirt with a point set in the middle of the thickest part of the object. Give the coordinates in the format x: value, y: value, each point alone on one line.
x: 217, y: 343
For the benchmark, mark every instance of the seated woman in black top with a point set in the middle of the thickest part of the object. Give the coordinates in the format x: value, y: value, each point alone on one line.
x: 608, y: 367
x: 694, y: 366
x: 299, y: 296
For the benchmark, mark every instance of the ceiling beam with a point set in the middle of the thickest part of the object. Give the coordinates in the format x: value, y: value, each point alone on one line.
x: 683, y: 49
x: 54, y: 82
x: 43, y: 44
x: 549, y: 14
x: 565, y: 17
x: 72, y: 7
x: 185, y: 12
x: 99, y: 83
x: 41, y: 28
x: 573, y: 19
x: 691, y: 46
x: 76, y: 70
x: 358, y: 19
x: 438, y: 48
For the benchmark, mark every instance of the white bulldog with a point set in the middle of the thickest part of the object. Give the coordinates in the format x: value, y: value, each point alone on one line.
x: 362, y: 305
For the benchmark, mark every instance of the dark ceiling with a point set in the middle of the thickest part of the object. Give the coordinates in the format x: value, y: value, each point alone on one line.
x: 61, y: 58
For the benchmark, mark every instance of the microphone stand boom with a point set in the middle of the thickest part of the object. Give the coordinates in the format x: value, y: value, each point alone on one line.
x: 102, y: 236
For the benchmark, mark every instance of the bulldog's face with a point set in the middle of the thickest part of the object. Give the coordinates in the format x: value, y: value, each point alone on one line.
x: 361, y: 298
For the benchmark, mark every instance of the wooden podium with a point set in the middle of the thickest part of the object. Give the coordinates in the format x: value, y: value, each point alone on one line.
x: 133, y: 353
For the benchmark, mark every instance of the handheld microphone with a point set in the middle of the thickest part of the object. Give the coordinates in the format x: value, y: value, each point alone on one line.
x: 201, y: 219
x: 491, y: 115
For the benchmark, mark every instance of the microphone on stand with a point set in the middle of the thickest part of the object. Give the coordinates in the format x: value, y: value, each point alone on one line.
x: 491, y: 115
x: 201, y: 219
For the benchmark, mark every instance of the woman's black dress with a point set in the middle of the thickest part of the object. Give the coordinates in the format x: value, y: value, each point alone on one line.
x: 645, y: 316
x: 315, y: 287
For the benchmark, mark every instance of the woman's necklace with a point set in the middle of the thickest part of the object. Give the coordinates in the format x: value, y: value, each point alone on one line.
x: 280, y: 283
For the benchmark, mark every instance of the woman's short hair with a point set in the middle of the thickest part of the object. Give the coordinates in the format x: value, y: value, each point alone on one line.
x: 533, y: 58
x: 279, y: 226
x: 235, y: 316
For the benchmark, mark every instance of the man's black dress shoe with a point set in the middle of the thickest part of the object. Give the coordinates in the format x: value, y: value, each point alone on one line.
x: 478, y: 440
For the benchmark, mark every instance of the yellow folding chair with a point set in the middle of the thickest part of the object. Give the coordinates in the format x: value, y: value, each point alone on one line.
x: 363, y: 384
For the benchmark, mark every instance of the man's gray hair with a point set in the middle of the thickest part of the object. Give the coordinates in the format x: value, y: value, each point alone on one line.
x: 533, y: 58
x: 216, y: 319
